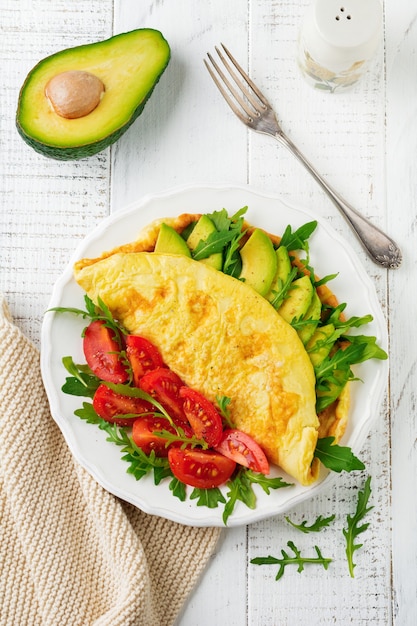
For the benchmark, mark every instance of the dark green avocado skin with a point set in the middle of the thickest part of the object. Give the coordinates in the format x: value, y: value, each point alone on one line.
x: 87, y: 150
x: 82, y: 152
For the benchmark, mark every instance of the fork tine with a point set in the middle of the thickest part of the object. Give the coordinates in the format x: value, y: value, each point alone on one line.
x: 245, y: 77
x: 248, y: 103
x: 225, y: 94
x: 242, y: 87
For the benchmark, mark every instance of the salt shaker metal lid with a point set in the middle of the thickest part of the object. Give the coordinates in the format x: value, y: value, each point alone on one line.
x: 338, y: 38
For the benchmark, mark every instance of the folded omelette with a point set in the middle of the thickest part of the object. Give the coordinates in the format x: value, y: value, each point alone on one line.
x: 223, y: 339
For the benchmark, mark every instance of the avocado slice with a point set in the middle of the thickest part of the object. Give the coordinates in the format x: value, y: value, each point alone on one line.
x: 259, y: 262
x: 283, y: 266
x: 281, y: 275
x: 319, y: 346
x: 170, y: 242
x: 313, y: 313
x: 295, y: 306
x: 79, y: 101
x: 201, y: 231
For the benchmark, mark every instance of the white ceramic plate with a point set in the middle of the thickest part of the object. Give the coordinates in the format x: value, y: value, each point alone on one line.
x: 61, y: 337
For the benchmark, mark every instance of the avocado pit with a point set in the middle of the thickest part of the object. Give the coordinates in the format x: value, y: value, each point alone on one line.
x: 74, y: 93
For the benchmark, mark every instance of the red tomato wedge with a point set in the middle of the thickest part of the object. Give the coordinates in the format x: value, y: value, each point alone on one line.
x: 240, y: 447
x: 143, y: 356
x: 164, y: 385
x: 107, y: 404
x: 143, y: 434
x: 205, y: 421
x: 203, y: 469
x: 102, y: 353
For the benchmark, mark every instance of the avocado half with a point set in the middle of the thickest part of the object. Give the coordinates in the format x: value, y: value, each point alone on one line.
x: 127, y: 66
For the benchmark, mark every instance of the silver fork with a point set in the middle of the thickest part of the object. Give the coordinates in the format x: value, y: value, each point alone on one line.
x: 254, y: 110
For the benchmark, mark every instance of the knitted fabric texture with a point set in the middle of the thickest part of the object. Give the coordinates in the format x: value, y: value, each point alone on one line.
x: 70, y: 552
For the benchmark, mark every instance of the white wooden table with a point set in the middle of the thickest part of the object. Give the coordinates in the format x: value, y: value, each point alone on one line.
x: 363, y: 141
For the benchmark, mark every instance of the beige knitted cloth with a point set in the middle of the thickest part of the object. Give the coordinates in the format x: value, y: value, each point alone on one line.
x: 71, y: 553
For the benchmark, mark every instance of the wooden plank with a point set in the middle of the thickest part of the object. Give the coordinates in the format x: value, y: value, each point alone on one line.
x: 180, y: 138
x: 343, y: 136
x: 401, y: 213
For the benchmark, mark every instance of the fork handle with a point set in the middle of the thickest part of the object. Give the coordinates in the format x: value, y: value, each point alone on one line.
x: 382, y: 249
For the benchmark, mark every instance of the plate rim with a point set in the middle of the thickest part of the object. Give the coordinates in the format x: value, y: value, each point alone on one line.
x: 249, y: 516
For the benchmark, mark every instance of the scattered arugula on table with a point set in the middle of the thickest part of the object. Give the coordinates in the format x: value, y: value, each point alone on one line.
x: 353, y: 528
x: 350, y: 533
x: 297, y: 559
x: 320, y: 523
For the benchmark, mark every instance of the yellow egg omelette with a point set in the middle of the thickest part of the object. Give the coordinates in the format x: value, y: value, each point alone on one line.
x: 222, y: 339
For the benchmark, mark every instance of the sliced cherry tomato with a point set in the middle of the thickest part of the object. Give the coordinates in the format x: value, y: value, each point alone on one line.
x: 164, y: 385
x: 143, y: 434
x: 240, y: 447
x: 205, y: 421
x: 143, y: 356
x: 203, y: 469
x: 107, y: 403
x: 101, y: 351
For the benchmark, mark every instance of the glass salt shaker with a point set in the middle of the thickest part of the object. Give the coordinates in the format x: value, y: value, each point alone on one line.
x: 338, y: 39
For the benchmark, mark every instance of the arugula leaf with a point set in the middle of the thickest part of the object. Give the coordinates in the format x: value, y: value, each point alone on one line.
x: 180, y: 435
x: 161, y: 472
x: 223, y: 404
x: 215, y: 242
x: 88, y: 414
x: 82, y: 382
x: 315, y: 527
x: 208, y: 497
x: 336, y: 458
x: 74, y: 387
x: 284, y: 288
x: 141, y: 464
x: 229, y: 233
x: 136, y: 392
x: 324, y: 280
x: 334, y: 317
x: 266, y: 482
x: 178, y: 489
x: 241, y: 488
x: 353, y: 529
x: 297, y: 559
x: 334, y: 371
x: 340, y: 360
x: 232, y: 264
x: 93, y: 312
x: 297, y: 240
x: 370, y: 349
x: 222, y: 221
x: 74, y: 311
